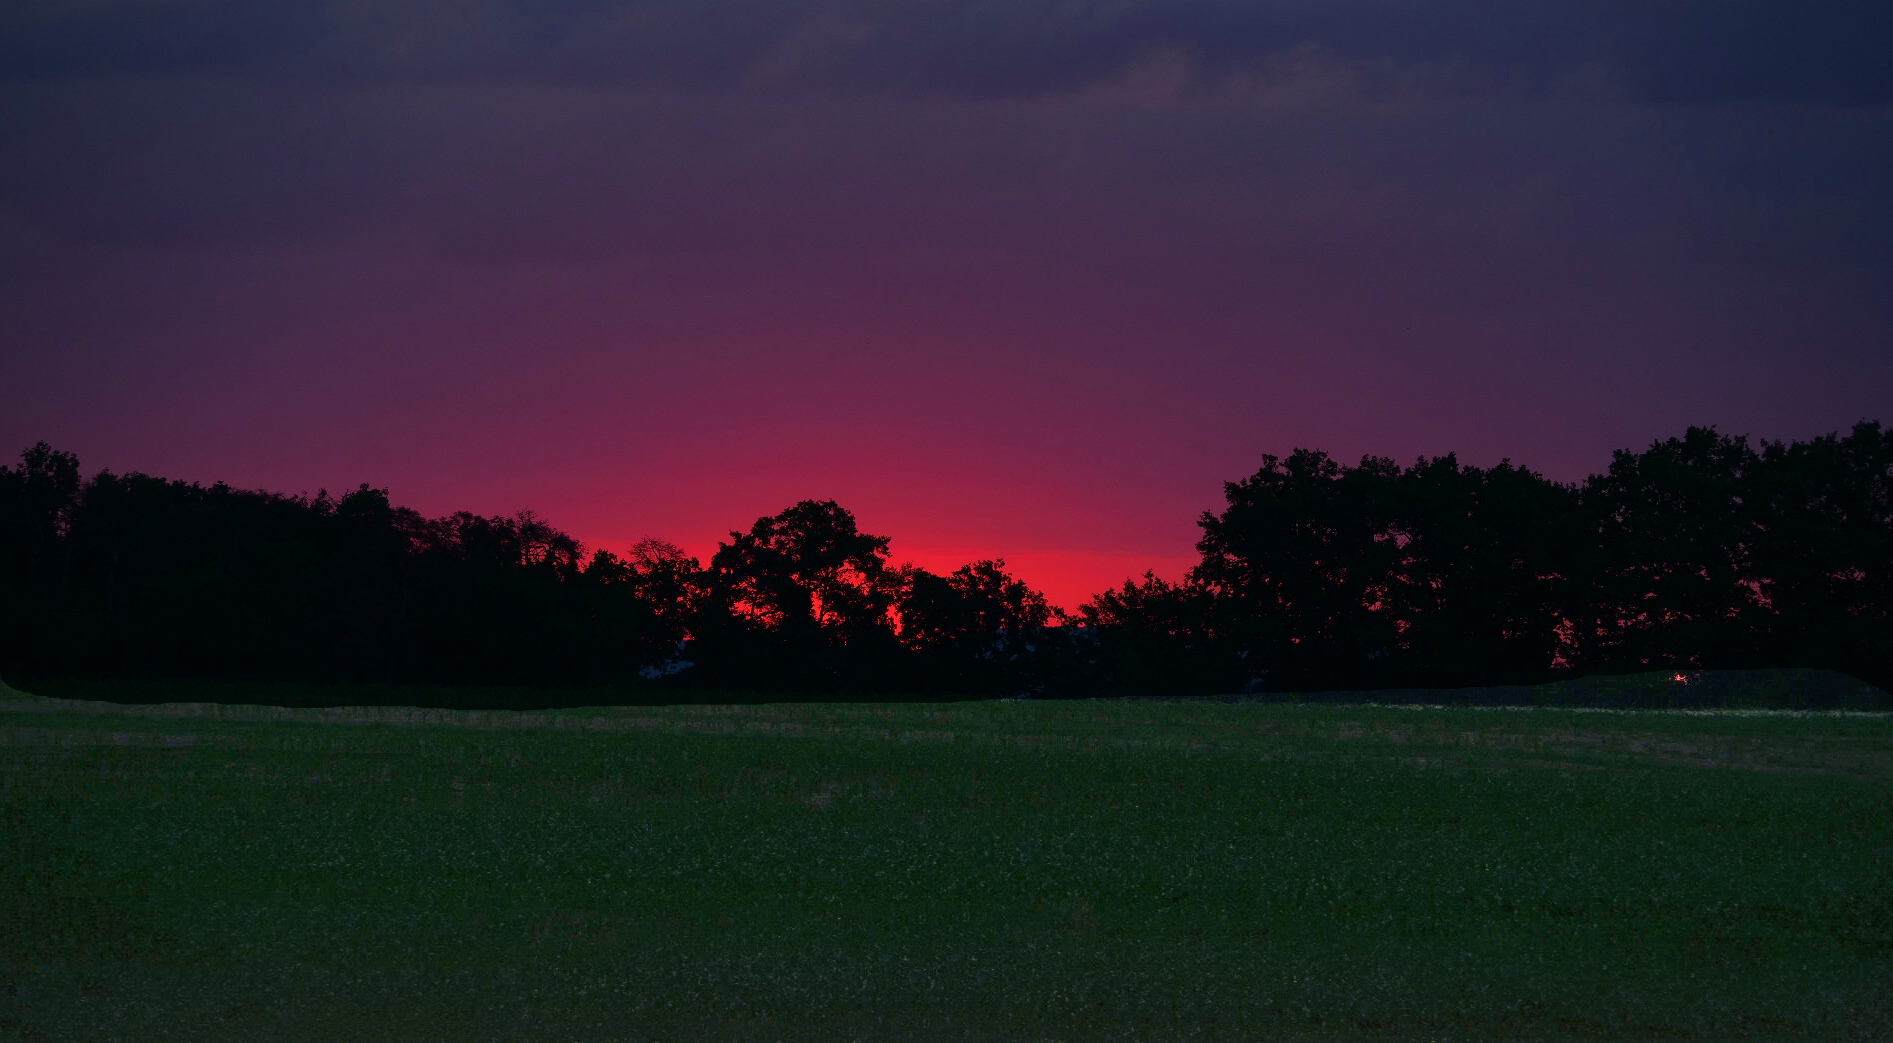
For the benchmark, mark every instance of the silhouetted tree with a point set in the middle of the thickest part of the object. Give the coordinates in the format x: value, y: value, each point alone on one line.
x: 1820, y: 563
x: 1153, y: 637
x: 809, y: 567
x: 803, y: 597
x: 1301, y: 567
x: 171, y: 579
x: 1488, y: 567
x: 975, y: 630
x: 1674, y: 529
x: 1698, y: 551
x: 36, y: 501
x: 650, y: 598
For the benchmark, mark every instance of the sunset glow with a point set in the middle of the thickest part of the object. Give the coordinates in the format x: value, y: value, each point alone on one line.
x: 1034, y: 302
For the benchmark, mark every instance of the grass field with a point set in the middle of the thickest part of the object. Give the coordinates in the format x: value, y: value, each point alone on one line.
x: 972, y: 871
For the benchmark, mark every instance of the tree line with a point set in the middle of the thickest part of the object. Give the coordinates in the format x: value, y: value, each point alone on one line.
x: 1701, y: 552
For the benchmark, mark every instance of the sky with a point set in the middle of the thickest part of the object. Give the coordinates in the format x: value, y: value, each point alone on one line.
x: 1026, y: 279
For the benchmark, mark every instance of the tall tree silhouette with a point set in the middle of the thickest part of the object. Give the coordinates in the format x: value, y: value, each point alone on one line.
x: 36, y: 502
x: 1821, y: 564
x: 809, y: 567
x: 671, y: 583
x: 1697, y: 551
x: 1675, y: 527
x: 1487, y: 572
x: 1303, y: 564
x: 1155, y: 637
x: 976, y: 629
x: 805, y: 595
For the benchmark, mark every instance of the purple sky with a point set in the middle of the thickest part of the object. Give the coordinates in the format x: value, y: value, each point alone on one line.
x: 1022, y: 279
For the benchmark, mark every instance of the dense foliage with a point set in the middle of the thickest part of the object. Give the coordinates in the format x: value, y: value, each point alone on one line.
x: 1700, y: 552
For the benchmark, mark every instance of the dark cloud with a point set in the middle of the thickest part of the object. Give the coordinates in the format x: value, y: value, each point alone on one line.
x: 1665, y: 51
x: 43, y: 40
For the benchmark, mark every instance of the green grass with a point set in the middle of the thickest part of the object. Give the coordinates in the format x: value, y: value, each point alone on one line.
x: 974, y: 871
x: 1718, y: 689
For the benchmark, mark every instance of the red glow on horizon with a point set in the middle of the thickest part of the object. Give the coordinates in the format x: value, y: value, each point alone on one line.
x: 1067, y: 578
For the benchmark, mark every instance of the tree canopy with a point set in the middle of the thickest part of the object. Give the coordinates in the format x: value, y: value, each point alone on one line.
x: 1699, y: 552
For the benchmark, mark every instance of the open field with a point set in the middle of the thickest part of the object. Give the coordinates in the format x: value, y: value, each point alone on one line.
x: 1716, y: 689
x: 971, y: 871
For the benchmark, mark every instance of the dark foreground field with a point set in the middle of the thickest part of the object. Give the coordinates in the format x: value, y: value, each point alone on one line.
x: 976, y: 871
